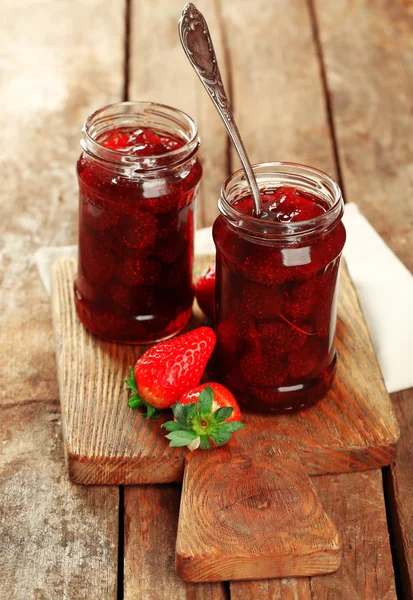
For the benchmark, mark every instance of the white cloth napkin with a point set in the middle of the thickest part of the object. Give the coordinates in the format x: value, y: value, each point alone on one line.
x: 45, y: 257
x: 384, y: 287
x: 385, y: 290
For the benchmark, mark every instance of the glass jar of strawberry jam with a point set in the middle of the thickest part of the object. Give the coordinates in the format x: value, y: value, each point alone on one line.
x: 138, y: 176
x: 276, y: 286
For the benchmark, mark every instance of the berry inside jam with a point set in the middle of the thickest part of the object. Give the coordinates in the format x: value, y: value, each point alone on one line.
x: 139, y: 142
x: 276, y: 305
x: 285, y: 205
x: 134, y: 281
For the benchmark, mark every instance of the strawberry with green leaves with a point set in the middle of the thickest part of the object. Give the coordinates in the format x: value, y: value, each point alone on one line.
x: 170, y: 369
x: 205, y: 417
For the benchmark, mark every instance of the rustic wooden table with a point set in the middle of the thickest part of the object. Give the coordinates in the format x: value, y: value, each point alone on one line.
x: 315, y: 81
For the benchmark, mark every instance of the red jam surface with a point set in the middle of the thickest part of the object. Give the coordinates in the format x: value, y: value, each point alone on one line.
x: 276, y: 307
x: 134, y: 281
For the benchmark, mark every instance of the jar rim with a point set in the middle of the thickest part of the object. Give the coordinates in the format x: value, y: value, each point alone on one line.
x: 94, y: 126
x: 277, y: 174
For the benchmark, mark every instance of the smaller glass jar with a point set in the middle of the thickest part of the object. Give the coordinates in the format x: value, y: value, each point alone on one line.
x: 138, y: 176
x: 276, y: 286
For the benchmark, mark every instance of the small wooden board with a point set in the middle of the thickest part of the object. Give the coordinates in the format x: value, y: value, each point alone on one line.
x: 352, y: 429
x: 252, y: 515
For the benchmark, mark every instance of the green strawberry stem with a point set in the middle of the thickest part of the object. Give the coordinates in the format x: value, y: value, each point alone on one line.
x: 196, y: 426
x: 135, y: 401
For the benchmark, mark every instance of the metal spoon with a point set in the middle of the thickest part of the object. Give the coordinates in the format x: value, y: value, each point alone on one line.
x: 197, y: 43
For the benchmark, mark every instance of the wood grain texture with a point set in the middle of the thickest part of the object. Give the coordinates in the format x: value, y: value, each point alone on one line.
x: 252, y: 515
x: 52, y: 78
x: 160, y: 71
x: 276, y: 85
x: 81, y: 68
x: 288, y: 588
x: 399, y: 485
x: 281, y: 94
x: 59, y: 61
x: 355, y: 503
x: 352, y: 429
x: 105, y: 440
x: 368, y: 56
x: 151, y: 519
x: 280, y: 106
x: 57, y: 540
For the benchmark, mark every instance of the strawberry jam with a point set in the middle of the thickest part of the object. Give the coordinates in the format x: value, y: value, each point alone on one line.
x: 276, y: 287
x: 138, y: 177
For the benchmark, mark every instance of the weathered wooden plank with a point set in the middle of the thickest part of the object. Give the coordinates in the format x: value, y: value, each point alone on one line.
x: 160, y: 71
x: 272, y: 589
x: 355, y: 503
x: 368, y: 58
x: 281, y: 110
x: 57, y: 540
x: 52, y: 78
x: 105, y: 440
x: 252, y: 514
x: 399, y: 485
x: 369, y: 70
x: 277, y: 90
x: 28, y: 368
x: 151, y: 519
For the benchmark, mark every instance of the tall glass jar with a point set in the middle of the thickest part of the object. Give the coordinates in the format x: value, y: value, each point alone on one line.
x: 276, y: 287
x: 138, y: 176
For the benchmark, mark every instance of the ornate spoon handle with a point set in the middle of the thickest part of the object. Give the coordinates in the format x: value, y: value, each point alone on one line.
x: 197, y: 43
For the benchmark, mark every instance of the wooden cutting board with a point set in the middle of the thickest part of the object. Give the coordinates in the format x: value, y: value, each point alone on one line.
x: 248, y: 509
x: 352, y: 429
x: 252, y: 513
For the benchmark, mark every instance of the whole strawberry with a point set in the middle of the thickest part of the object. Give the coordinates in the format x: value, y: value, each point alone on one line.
x: 168, y: 370
x: 205, y: 292
x: 204, y: 417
